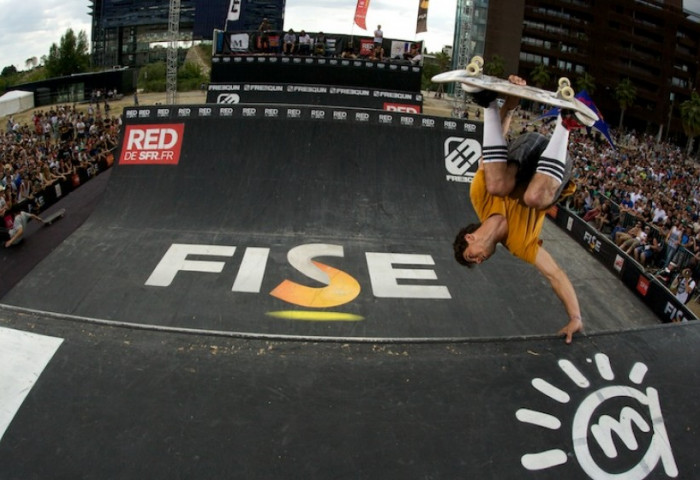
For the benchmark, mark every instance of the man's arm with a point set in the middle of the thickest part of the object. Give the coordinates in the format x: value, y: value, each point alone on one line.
x: 510, y: 104
x: 564, y: 289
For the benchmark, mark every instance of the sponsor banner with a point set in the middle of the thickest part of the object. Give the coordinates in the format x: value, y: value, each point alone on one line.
x: 392, y: 75
x: 239, y: 42
x: 401, y: 107
x: 152, y: 144
x: 361, y: 13
x: 366, y: 48
x: 234, y: 11
x: 657, y: 297
x: 422, y: 23
x: 231, y: 94
x: 152, y: 140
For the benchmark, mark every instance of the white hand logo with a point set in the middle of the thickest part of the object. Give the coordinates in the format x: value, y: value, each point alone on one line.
x: 644, y: 416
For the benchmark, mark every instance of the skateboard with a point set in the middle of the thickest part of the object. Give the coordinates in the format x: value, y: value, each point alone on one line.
x: 473, y: 80
x: 55, y: 216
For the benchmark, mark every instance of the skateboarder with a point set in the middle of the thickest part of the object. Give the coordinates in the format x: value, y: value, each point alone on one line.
x: 511, y: 191
x: 20, y: 224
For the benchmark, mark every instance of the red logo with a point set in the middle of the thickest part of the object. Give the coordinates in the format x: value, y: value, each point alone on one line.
x: 152, y: 144
x: 643, y: 285
x: 401, y: 108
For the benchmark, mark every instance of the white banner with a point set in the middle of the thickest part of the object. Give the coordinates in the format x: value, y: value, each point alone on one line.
x: 234, y: 11
x: 239, y: 42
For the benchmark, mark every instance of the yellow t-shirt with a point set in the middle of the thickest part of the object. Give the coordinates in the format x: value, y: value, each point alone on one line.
x: 524, y: 223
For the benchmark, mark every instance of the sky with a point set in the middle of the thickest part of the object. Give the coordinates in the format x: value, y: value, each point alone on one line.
x: 29, y: 27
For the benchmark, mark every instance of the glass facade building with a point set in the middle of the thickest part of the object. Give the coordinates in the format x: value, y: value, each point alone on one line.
x: 135, y: 32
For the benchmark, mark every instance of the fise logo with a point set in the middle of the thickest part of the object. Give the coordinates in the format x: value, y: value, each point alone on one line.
x: 152, y: 144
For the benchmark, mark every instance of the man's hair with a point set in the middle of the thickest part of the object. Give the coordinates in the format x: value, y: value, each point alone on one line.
x: 460, y: 244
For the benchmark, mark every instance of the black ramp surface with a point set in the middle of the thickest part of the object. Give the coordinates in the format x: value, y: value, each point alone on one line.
x: 293, y: 221
x: 131, y: 403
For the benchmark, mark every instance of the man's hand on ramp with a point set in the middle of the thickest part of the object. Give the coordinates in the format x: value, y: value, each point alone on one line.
x: 575, y: 325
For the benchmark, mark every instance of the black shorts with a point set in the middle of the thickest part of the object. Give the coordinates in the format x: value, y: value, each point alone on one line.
x: 526, y: 151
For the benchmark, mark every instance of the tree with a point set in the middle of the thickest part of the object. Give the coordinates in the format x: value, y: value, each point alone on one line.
x: 190, y: 77
x: 586, y: 82
x: 540, y: 76
x: 444, y: 61
x: 495, y: 67
x: 31, y: 63
x: 690, y: 117
x: 625, y: 94
x: 152, y: 77
x: 70, y: 56
x: 9, y: 71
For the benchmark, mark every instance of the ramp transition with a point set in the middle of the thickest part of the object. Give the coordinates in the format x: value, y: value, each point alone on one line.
x: 288, y: 220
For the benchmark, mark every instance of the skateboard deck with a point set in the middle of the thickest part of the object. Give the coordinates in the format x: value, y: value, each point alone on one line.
x: 55, y: 216
x: 473, y: 79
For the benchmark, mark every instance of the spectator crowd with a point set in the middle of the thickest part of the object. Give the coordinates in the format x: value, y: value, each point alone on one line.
x: 62, y: 147
x: 645, y: 196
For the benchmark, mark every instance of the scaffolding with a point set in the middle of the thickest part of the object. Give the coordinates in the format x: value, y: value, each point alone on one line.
x: 173, y: 36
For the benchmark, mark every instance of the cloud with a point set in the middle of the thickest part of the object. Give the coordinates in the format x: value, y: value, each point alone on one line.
x: 397, y: 18
x: 29, y: 27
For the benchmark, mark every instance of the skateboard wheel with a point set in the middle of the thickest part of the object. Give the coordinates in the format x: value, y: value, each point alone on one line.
x: 478, y: 60
x: 473, y: 69
x: 567, y: 93
x: 564, y: 82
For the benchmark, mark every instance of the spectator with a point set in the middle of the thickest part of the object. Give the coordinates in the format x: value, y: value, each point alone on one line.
x: 412, y: 52
x: 640, y: 239
x: 377, y: 54
x: 35, y: 158
x: 320, y: 44
x: 304, y: 43
x: 673, y: 241
x: 646, y: 253
x: 264, y: 36
x: 604, y: 218
x: 686, y: 285
x: 667, y: 275
x: 378, y: 36
x: 622, y: 237
x: 289, y: 42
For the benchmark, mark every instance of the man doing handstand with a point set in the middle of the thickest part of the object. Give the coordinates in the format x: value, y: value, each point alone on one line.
x: 511, y: 191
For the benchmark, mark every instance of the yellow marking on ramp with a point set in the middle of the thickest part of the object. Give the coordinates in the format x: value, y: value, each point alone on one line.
x: 316, y: 316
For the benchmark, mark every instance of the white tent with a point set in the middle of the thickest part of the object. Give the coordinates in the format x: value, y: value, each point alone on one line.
x: 16, y: 101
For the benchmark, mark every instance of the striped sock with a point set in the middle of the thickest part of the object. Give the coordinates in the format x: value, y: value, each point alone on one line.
x: 494, y: 145
x: 552, y: 162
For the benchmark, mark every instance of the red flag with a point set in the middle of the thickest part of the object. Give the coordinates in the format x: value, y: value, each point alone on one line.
x: 361, y: 13
x: 422, y: 24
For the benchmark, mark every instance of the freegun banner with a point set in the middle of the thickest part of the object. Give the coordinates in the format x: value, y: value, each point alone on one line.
x: 422, y: 24
x: 361, y: 13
